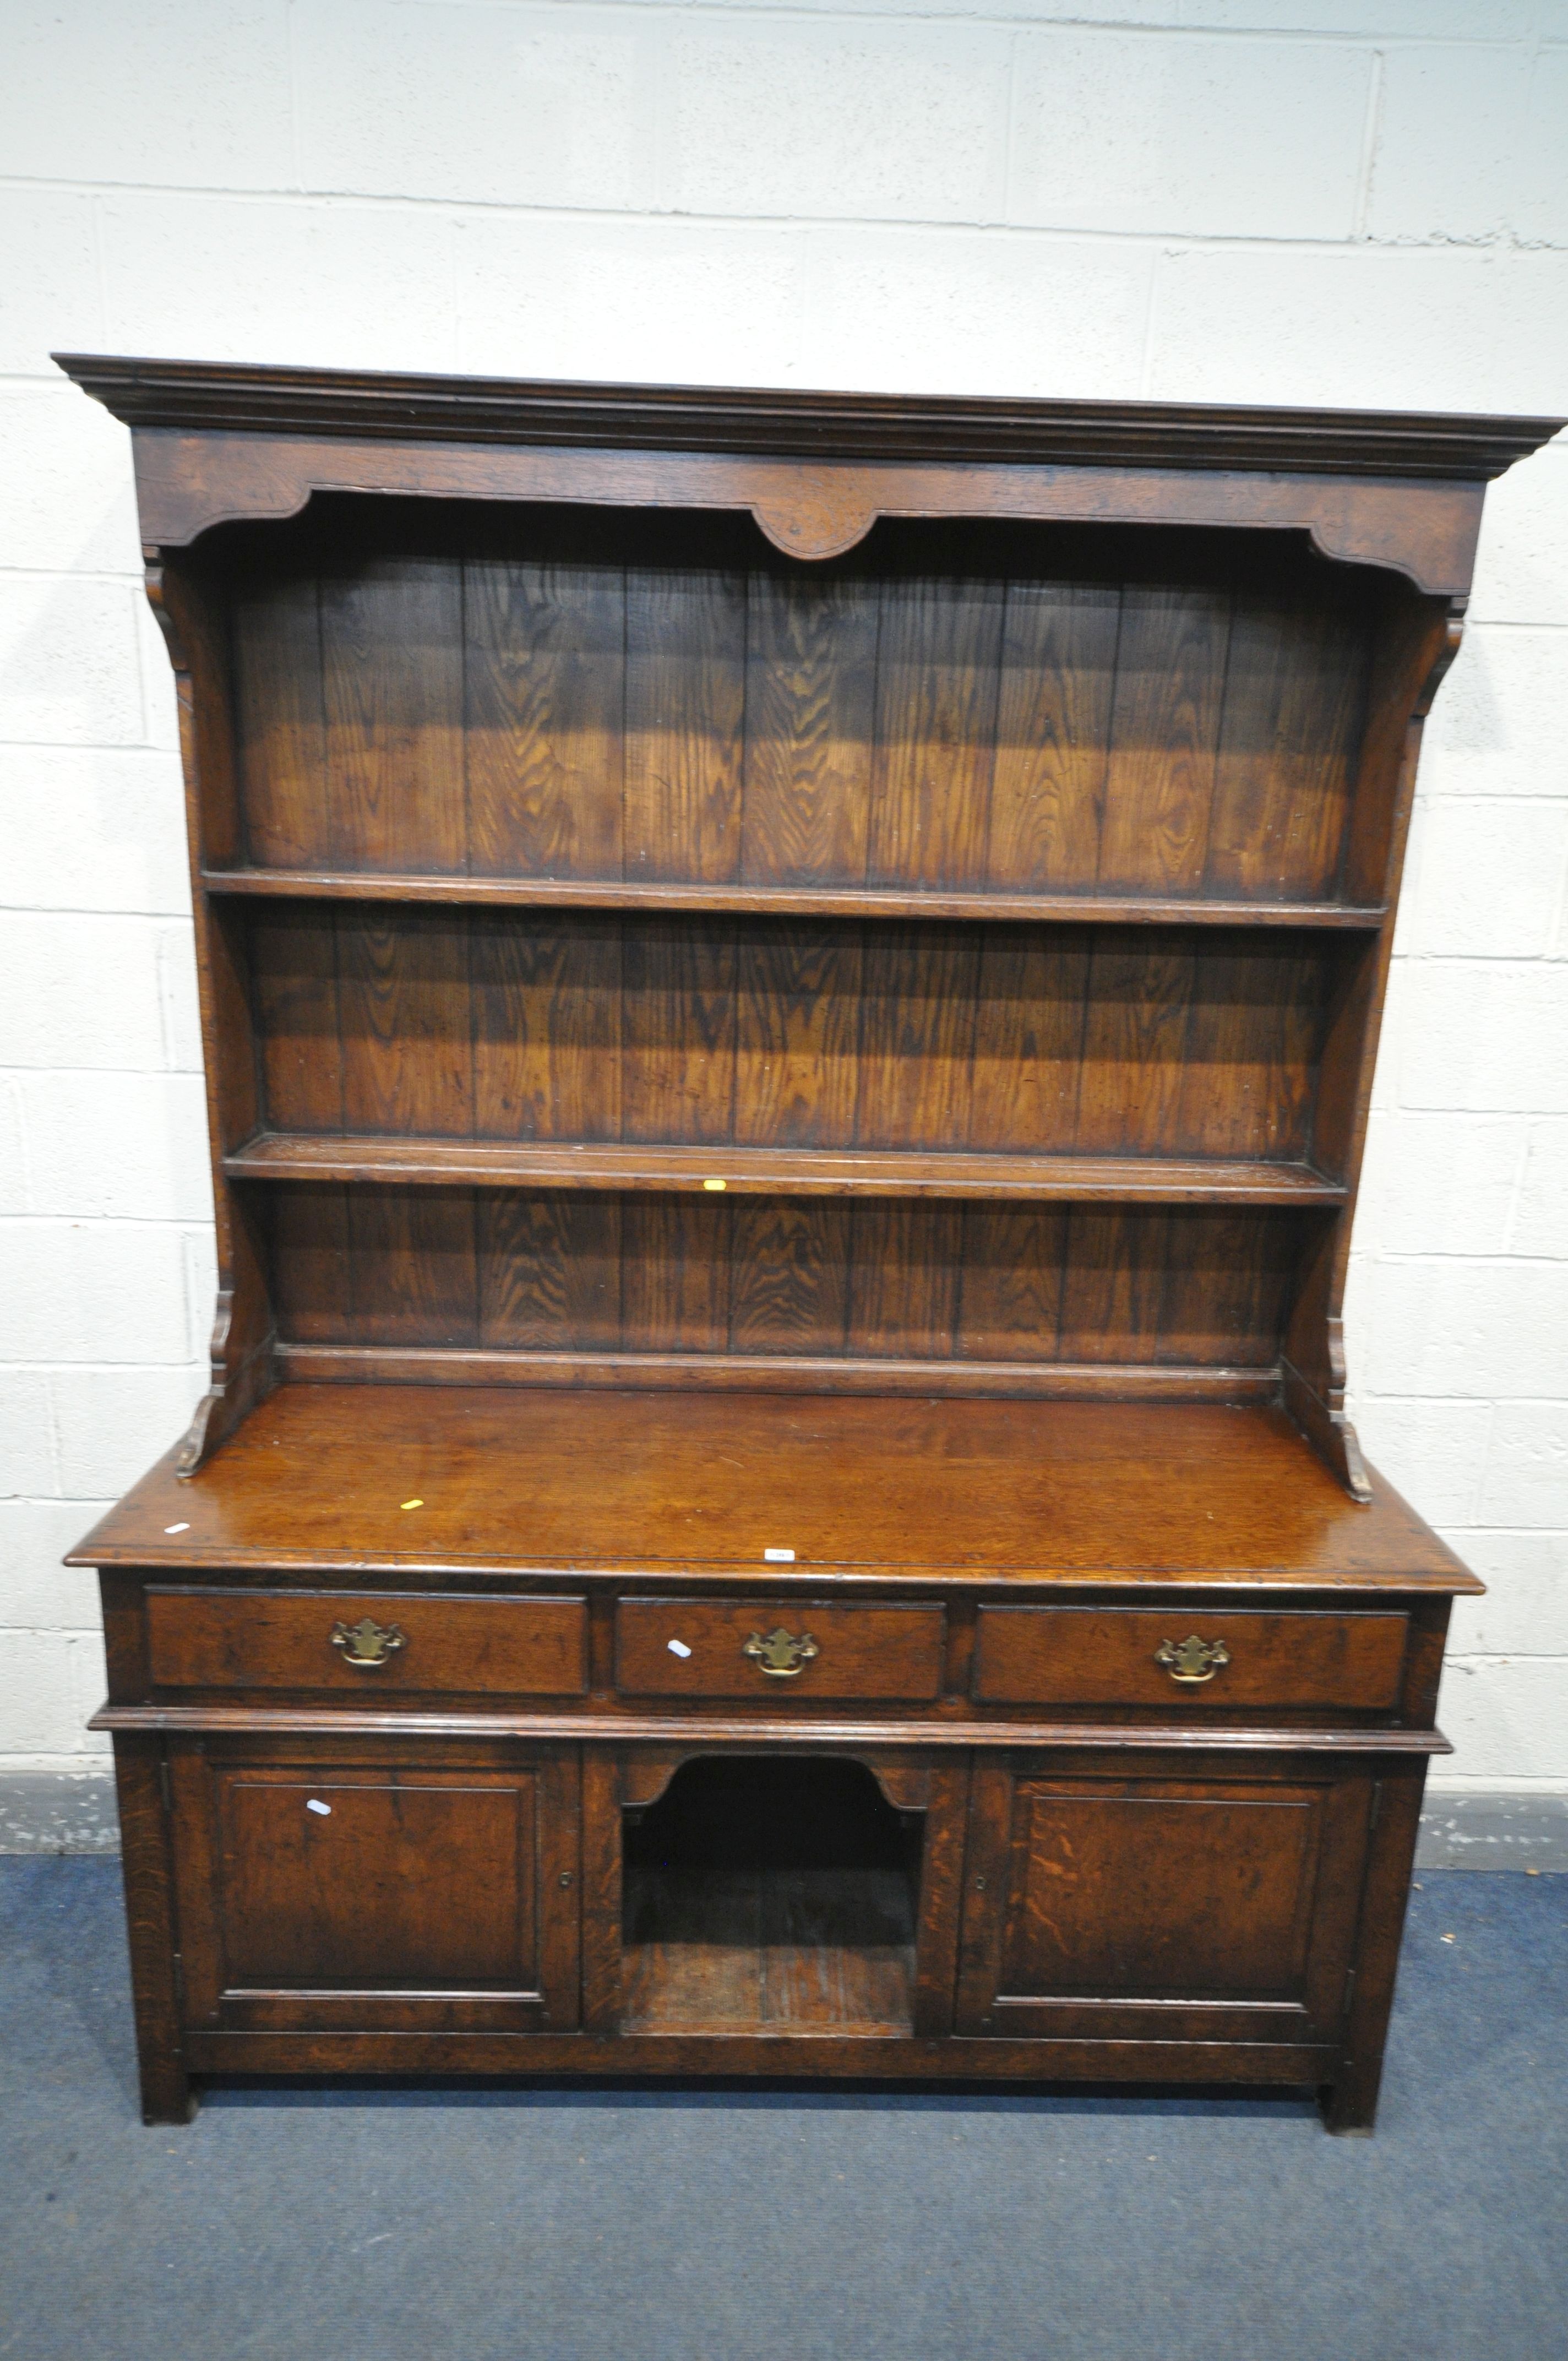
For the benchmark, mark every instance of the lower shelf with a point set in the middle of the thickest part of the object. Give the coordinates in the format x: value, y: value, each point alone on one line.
x: 782, y: 1952
x: 770, y: 1897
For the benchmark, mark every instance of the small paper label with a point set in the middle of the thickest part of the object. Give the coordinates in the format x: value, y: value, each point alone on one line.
x: 324, y: 1809
x: 778, y: 1557
x: 176, y: 1529
x: 679, y: 1648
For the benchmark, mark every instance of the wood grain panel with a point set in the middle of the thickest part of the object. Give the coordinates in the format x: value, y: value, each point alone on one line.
x: 1160, y: 1891
x: 412, y: 1265
x: 917, y: 1033
x: 404, y: 993
x: 293, y: 961
x: 544, y: 656
x: 679, y: 1023
x: 229, y: 1639
x: 675, y: 1273
x: 392, y: 669
x: 286, y: 791
x: 1250, y: 1052
x: 863, y: 1652
x: 1011, y: 1303
x: 789, y: 1286
x: 549, y: 1271
x: 1150, y: 1492
x: 1053, y: 735
x: 788, y: 1036
x: 1090, y: 1655
x: 904, y: 1278
x: 685, y: 697
x: 1134, y: 1042
x: 796, y: 1073
x: 886, y: 1278
x: 810, y: 719
x: 309, y: 1265
x: 1028, y: 1039
x: 413, y: 1880
x: 1295, y: 701
x: 1227, y: 1281
x: 1112, y: 1285
x: 938, y: 674
x: 921, y: 1281
x: 1170, y: 673
x: 546, y: 1025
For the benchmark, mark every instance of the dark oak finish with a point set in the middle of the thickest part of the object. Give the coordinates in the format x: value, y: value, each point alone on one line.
x: 760, y: 1900
x: 349, y: 1886
x: 219, y: 440
x: 260, y: 1639
x: 1088, y: 1656
x: 862, y: 1652
x: 798, y: 901
x: 973, y: 1492
x: 789, y: 986
x: 155, y: 1997
x: 1203, y: 1908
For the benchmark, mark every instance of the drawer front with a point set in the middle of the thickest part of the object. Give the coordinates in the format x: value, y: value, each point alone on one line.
x: 1123, y: 1655
x: 777, y: 1647
x: 366, y: 1642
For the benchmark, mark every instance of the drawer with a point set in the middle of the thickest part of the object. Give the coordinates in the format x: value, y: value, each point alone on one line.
x: 772, y: 1647
x: 1123, y: 1655
x: 367, y: 1642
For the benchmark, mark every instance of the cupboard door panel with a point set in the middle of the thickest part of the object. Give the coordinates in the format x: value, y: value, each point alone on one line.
x: 355, y: 1893
x: 1218, y: 1909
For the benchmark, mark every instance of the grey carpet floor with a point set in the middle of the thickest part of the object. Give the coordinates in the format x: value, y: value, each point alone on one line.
x: 362, y: 2223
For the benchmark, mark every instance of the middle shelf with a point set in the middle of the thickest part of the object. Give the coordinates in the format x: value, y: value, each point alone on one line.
x: 600, y: 1050
x: 777, y: 1171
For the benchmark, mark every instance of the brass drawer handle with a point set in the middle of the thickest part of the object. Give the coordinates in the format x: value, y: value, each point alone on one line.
x: 1192, y: 1660
x: 367, y: 1645
x: 780, y: 1655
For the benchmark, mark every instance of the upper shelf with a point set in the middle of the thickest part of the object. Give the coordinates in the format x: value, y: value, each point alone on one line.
x: 802, y: 901
x: 811, y: 1173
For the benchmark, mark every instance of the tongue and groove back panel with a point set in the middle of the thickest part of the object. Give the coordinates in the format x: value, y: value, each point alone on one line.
x: 663, y: 701
x: 762, y: 1032
x: 972, y: 1294
x: 666, y: 700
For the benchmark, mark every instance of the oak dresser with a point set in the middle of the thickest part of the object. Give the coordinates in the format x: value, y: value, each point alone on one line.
x: 789, y: 987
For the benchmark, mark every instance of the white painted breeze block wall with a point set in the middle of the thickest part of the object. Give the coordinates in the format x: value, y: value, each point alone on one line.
x: 1356, y: 202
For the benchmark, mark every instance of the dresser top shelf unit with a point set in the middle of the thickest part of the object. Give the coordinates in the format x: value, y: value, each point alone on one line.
x: 861, y: 901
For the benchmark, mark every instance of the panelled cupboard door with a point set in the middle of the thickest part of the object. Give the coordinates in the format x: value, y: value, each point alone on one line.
x: 323, y: 1890
x: 1171, y: 1908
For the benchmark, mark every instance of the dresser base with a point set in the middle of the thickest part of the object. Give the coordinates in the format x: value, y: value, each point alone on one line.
x: 1075, y: 1745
